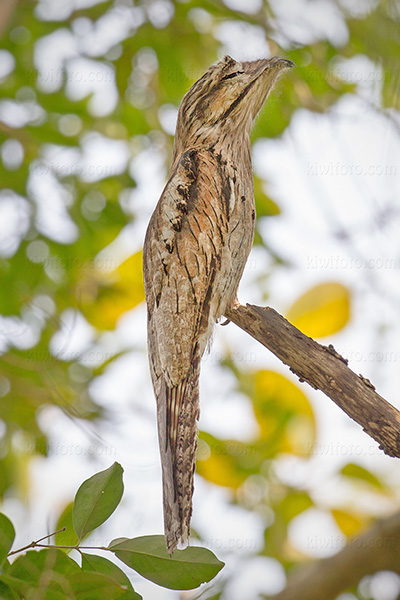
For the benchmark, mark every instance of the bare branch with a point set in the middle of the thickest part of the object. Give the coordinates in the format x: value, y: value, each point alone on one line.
x: 36, y: 543
x: 377, y: 549
x: 324, y: 369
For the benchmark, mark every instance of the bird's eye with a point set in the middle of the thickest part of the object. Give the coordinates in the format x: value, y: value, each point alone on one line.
x: 231, y: 75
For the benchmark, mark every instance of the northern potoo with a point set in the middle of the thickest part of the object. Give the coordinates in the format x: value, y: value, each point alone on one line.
x: 196, y: 247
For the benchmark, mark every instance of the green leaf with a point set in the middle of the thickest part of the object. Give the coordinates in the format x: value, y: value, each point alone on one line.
x: 360, y: 474
x: 99, y: 564
x: 7, y: 535
x: 91, y: 586
x: 96, y: 499
x: 184, y: 570
x: 294, y: 503
x: 30, y: 565
x: 67, y: 537
x: 28, y: 590
x: 6, y: 593
x: 51, y: 575
x: 30, y: 570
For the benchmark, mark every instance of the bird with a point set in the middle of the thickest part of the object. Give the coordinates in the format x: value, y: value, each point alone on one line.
x: 195, y: 250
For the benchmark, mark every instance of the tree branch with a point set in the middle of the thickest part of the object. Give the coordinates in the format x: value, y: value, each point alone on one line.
x: 7, y: 8
x: 377, y: 549
x: 324, y: 369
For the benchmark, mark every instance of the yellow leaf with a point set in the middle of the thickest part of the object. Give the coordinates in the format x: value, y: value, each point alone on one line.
x: 322, y: 310
x: 349, y: 523
x: 284, y: 414
x: 225, y: 462
x: 105, y: 295
x: 218, y: 469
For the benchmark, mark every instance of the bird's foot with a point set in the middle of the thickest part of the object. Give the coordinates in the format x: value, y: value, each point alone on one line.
x: 234, y: 305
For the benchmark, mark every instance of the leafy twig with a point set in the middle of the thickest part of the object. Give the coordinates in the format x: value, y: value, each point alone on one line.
x: 37, y: 544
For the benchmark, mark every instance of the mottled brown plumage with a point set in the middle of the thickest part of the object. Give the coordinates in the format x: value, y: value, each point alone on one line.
x: 196, y: 247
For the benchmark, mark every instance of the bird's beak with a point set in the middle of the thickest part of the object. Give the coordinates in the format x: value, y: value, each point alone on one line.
x: 287, y: 64
x: 257, y: 67
x: 281, y: 63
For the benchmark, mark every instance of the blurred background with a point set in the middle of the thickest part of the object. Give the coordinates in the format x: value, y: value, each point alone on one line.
x: 88, y: 102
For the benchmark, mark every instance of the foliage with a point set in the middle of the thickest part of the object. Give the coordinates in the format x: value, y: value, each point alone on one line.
x: 322, y: 310
x: 50, y: 573
x: 96, y: 500
x: 66, y: 212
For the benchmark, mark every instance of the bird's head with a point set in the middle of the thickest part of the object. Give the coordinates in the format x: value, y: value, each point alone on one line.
x: 226, y: 100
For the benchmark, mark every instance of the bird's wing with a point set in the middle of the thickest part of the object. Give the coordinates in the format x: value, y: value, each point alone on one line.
x: 183, y: 253
x: 182, y: 256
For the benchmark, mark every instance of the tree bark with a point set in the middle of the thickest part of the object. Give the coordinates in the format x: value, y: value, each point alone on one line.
x: 324, y: 369
x: 377, y: 549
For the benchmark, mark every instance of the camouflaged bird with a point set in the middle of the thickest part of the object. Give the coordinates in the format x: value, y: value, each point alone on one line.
x: 196, y: 247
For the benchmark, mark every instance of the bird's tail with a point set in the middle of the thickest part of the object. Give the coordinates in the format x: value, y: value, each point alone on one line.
x: 177, y: 413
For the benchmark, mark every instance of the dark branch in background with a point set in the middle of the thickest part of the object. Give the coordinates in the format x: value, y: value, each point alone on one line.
x: 324, y: 369
x: 377, y: 549
x: 7, y: 8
